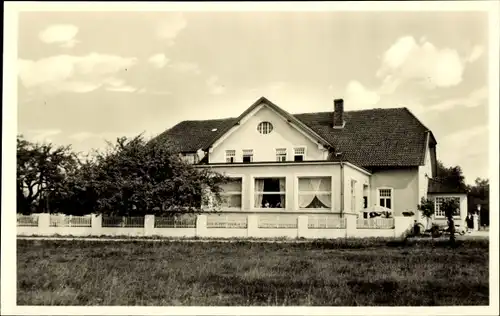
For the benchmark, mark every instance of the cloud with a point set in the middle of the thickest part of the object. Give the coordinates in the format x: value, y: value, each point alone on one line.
x: 157, y: 92
x: 408, y: 59
x: 477, y: 52
x: 158, y: 60
x: 42, y: 135
x: 81, y: 136
x: 359, y: 97
x: 186, y: 67
x: 214, y: 87
x: 468, y: 148
x: 62, y: 34
x: 474, y: 99
x: 66, y: 73
x: 170, y: 27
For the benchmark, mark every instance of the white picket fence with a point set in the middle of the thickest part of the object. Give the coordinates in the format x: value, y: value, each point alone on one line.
x: 227, y: 221
x: 223, y: 225
x: 27, y: 220
x: 278, y: 221
x: 326, y: 222
x: 375, y: 223
x: 70, y: 221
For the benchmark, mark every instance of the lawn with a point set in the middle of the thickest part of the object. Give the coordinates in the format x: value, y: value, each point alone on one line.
x: 365, y: 272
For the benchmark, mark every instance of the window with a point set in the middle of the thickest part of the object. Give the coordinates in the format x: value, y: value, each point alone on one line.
x: 437, y: 206
x: 190, y: 158
x: 365, y: 195
x: 247, y: 155
x: 299, y: 153
x: 270, y: 193
x: 385, y: 198
x: 230, y: 155
x: 265, y: 127
x: 280, y: 154
x: 231, y: 193
x: 315, y: 192
x: 353, y: 195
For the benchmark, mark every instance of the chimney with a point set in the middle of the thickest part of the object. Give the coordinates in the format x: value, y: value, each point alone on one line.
x: 338, y: 114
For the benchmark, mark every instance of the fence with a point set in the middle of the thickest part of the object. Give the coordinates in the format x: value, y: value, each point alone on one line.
x: 216, y: 225
x: 130, y: 222
x: 326, y: 222
x: 27, y: 220
x: 227, y: 221
x: 375, y: 223
x: 70, y: 221
x: 175, y: 222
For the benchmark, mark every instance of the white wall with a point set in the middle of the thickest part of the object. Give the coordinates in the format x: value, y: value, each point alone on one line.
x: 423, y: 180
x: 291, y: 173
x: 404, y: 183
x: 201, y: 230
x: 361, y: 178
x: 463, y: 207
x: 283, y: 135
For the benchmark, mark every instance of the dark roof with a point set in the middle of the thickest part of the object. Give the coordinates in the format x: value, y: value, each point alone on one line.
x: 370, y: 138
x: 440, y: 186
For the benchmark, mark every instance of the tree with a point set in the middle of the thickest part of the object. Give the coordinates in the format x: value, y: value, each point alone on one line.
x: 41, y: 170
x: 451, y: 176
x: 450, y: 208
x: 134, y: 177
x: 426, y: 206
x: 479, y: 193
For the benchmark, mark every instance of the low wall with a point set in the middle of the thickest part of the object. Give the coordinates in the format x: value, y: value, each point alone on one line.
x: 199, y: 228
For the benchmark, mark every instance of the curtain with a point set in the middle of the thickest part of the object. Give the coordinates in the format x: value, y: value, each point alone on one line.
x: 309, y: 188
x: 259, y: 187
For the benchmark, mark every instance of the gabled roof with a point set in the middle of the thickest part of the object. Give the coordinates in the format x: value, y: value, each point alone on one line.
x: 370, y: 138
x: 436, y: 186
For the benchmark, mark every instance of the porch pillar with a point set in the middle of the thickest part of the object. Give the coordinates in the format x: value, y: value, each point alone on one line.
x: 253, y: 225
x: 201, y: 225
x: 302, y: 222
x: 43, y: 224
x: 149, y: 225
x: 96, y: 223
x: 351, y: 224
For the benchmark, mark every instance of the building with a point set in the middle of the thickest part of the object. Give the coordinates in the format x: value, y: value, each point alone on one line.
x: 340, y: 162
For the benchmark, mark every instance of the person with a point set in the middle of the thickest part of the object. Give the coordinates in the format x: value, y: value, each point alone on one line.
x: 469, y: 222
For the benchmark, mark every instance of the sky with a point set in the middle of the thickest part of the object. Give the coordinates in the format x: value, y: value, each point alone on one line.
x: 84, y: 77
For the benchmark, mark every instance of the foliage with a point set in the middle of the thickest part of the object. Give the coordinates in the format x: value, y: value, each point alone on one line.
x: 426, y: 207
x: 41, y: 172
x: 479, y: 193
x: 451, y: 176
x: 134, y: 177
x: 450, y: 207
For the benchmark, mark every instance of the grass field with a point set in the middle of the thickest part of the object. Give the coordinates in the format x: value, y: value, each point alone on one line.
x: 368, y: 272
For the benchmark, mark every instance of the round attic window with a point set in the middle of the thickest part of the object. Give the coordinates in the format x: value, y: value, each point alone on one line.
x: 265, y: 127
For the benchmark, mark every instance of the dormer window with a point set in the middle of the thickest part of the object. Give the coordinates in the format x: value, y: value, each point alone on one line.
x: 265, y: 127
x: 299, y: 153
x: 230, y: 155
x: 280, y: 154
x: 247, y: 155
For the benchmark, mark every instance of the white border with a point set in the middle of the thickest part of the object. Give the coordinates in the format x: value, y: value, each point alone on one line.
x: 8, y: 242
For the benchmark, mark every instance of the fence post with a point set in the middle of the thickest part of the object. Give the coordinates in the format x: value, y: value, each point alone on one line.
x: 96, y: 224
x: 401, y: 225
x: 302, y: 222
x: 351, y: 224
x: 201, y: 225
x: 43, y: 224
x: 253, y: 225
x: 149, y: 225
